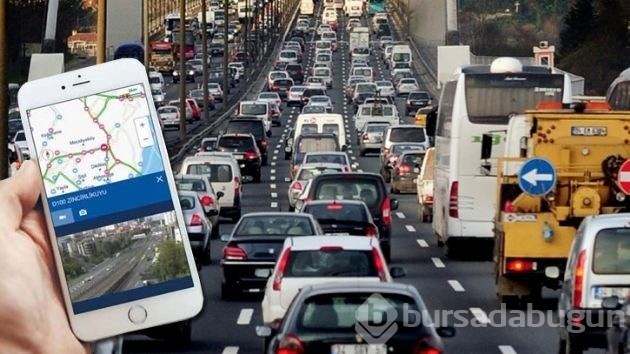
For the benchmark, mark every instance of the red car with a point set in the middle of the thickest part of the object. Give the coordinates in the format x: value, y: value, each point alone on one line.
x: 194, y: 107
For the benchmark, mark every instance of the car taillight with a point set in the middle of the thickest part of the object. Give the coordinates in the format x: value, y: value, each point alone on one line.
x: 250, y: 155
x: 386, y: 211
x: 578, y: 279
x: 408, y: 103
x: 207, y: 200
x: 297, y: 185
x: 379, y: 264
x: 385, y: 151
x: 274, y: 88
x: 520, y: 265
x: 334, y: 206
x: 290, y: 344
x: 234, y: 253
x: 428, y: 198
x: 403, y: 168
x: 264, y: 143
x: 422, y: 348
x: 195, y: 220
x: 237, y: 186
x: 282, y: 265
x: 371, y: 231
x: 365, y: 137
x: 453, y: 210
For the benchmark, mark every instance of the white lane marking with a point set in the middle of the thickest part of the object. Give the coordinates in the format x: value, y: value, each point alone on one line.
x: 278, y: 146
x: 272, y: 186
x: 274, y: 204
x: 352, y: 157
x: 272, y: 171
x: 275, y: 152
x: 274, y: 158
x: 507, y: 349
x: 230, y: 350
x: 273, y: 178
x: 245, y: 317
x: 422, y: 243
x: 288, y: 120
x: 480, y: 315
x: 438, y: 262
x: 273, y: 163
x: 287, y: 179
x: 400, y: 215
x: 410, y: 228
x: 274, y: 195
x: 359, y: 170
x: 457, y: 286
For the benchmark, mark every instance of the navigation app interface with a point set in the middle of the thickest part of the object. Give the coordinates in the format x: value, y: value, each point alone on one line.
x: 110, y: 202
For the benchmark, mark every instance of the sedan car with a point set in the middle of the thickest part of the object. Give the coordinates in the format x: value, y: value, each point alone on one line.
x: 208, y: 198
x: 309, y: 109
x: 417, y: 100
x: 197, y: 95
x: 305, y: 173
x: 406, y: 170
x: 395, y: 150
x: 252, y: 248
x: 198, y: 226
x: 320, y: 100
x: 323, y: 318
x: 360, y: 53
x: 407, y: 85
x: 189, y: 75
x: 272, y: 97
x: 325, y: 74
x: 323, y: 28
x: 336, y: 157
x: 385, y: 88
x: 342, y: 217
x: 294, y: 96
x: 273, y: 75
x: 371, y: 137
x: 169, y: 115
x: 282, y: 87
x: 315, y: 82
x: 214, y: 89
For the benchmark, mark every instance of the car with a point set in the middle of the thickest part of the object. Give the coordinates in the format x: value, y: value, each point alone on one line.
x: 254, y: 126
x: 198, y: 226
x: 214, y: 89
x: 273, y: 97
x: 424, y: 186
x: 324, y: 318
x: 352, y: 23
x: 342, y: 217
x: 215, y: 76
x: 325, y: 65
x: 158, y: 100
x: 189, y: 111
x: 280, y: 65
x: 196, y: 64
x: 365, y: 71
x: 245, y: 150
x: 170, y: 116
x: 189, y: 75
x: 309, y: 109
x: 360, y: 53
x: 336, y: 157
x: 216, y: 49
x: 296, y: 73
x: 323, y: 58
x: 370, y: 138
x: 384, y: 40
x: 321, y: 100
x: 385, y: 88
x: 306, y: 95
x: 313, y: 82
x: 303, y: 176
x: 594, y: 283
x: 380, y: 99
x: 208, y: 143
x: 276, y: 74
x: 402, y: 74
x: 332, y: 38
x: 282, y: 87
x: 403, y: 133
x: 383, y: 29
x: 238, y: 66
x: 362, y: 91
x: 196, y: 110
x: 420, y: 117
x: 406, y: 170
x: 417, y: 100
x: 197, y: 95
x: 392, y: 157
x: 309, y: 260
x: 275, y: 114
x: 305, y: 143
x: 365, y: 186
x: 288, y: 55
x: 252, y: 248
x: 294, y: 96
x: 303, y: 26
x: 224, y: 173
x: 407, y: 85
x: 326, y: 74
x: 324, y: 27
x: 208, y: 198
x: 351, y: 85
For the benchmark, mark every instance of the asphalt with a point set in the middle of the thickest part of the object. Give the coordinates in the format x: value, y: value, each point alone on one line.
x: 446, y: 285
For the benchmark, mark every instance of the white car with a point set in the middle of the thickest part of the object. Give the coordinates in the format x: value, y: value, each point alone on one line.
x: 288, y: 56
x: 320, y: 100
x: 353, y: 22
x: 215, y: 90
x: 385, y: 88
x: 323, y: 28
x: 273, y: 75
x: 169, y: 115
x: 197, y: 64
x: 407, y: 85
x: 326, y: 74
x: 308, y: 260
x: 272, y: 97
x: 303, y: 26
x: 238, y: 66
x: 305, y: 174
x: 294, y: 96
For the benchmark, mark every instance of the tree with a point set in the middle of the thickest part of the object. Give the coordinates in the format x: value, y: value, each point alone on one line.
x: 171, y: 263
x: 578, y: 25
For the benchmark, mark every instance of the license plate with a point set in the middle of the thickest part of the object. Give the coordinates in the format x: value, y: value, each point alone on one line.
x: 589, y: 131
x: 238, y: 157
x: 337, y: 234
x: 358, y: 349
x: 242, y: 165
x: 262, y: 273
x: 604, y: 292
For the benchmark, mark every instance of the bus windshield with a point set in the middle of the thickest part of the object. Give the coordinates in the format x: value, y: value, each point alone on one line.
x: 495, y: 98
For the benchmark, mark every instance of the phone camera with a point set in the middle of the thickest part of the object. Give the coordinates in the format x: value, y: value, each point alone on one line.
x: 79, y: 76
x: 63, y: 87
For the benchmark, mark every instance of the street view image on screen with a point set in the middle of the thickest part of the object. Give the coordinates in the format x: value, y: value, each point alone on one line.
x: 109, y: 200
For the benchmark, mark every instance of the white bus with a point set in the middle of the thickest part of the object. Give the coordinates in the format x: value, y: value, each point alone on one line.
x: 307, y: 7
x: 480, y: 99
x: 171, y: 21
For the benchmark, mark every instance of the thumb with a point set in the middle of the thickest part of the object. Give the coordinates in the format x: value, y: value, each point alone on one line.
x: 19, y: 194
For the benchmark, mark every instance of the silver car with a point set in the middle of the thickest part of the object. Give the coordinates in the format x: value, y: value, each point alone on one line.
x: 320, y: 100
x: 303, y: 176
x: 371, y: 138
x: 385, y: 88
x: 294, y: 96
x: 169, y: 115
x: 325, y: 74
x: 208, y: 198
x: 198, y: 226
x: 407, y: 85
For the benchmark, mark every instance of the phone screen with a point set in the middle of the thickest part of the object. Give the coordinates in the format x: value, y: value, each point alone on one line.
x: 109, y: 199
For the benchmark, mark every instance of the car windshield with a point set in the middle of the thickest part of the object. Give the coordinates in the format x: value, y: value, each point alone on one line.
x: 366, y: 88
x: 361, y: 51
x: 274, y: 225
x: 256, y: 128
x: 288, y: 54
x: 253, y: 109
x: 236, y: 143
x: 378, y: 110
x: 397, y: 149
x: 213, y: 86
x: 419, y: 96
x: 349, y: 189
x: 220, y: 173
x: 320, y: 99
x: 215, y: 74
x: 362, y: 71
x: 322, y: 72
x: 408, y: 81
x: 297, y: 89
x: 168, y: 110
x: 312, y: 172
x: 196, y: 93
x: 380, y: 128
x: 317, y: 263
x: 190, y: 184
x: 338, y: 211
x: 277, y: 75
x: 187, y: 202
x: 266, y: 96
x: 384, y: 84
x: 317, y: 144
x: 321, y: 158
x: 314, y: 109
x: 341, y: 312
x: 407, y: 134
x: 413, y: 158
x: 323, y: 57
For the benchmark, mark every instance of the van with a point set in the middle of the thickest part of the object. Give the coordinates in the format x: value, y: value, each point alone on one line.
x: 404, y: 133
x: 375, y: 112
x: 400, y: 53
x: 225, y: 176
x: 353, y: 8
x: 366, y: 72
x: 305, y: 143
x: 307, y: 7
x: 597, y: 270
x: 156, y: 81
x: 321, y: 123
x: 424, y: 184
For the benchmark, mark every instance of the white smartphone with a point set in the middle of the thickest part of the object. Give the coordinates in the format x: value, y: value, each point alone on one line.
x: 116, y: 226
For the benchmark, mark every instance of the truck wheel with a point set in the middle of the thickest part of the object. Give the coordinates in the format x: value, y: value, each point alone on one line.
x: 421, y: 215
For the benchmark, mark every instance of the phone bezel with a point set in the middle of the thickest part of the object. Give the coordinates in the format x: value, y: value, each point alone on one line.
x: 161, y: 309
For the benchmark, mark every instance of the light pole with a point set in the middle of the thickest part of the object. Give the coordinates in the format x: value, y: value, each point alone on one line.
x: 145, y: 32
x: 4, y: 94
x: 226, y: 82
x: 204, y: 53
x: 101, y: 28
x: 182, y: 69
x: 246, y: 45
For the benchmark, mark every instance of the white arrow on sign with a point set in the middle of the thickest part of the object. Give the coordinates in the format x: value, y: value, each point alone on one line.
x: 533, y: 177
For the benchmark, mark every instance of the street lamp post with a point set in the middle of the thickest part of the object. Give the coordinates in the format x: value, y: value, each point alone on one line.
x: 182, y: 69
x: 204, y: 53
x: 226, y: 82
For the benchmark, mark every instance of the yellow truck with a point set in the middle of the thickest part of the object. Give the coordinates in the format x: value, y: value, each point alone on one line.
x: 559, y: 166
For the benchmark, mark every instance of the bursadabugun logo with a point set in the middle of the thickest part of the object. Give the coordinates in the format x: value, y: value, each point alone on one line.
x: 376, y: 320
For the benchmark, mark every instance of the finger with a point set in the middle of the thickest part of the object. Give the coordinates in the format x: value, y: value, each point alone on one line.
x: 19, y: 194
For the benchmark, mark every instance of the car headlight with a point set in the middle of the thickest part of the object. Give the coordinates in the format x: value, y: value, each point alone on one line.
x: 175, y: 73
x: 191, y: 72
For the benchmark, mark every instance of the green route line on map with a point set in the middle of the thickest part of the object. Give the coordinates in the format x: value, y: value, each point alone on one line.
x: 54, y: 180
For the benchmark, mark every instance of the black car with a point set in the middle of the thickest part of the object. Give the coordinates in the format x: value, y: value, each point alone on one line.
x: 216, y: 49
x: 254, y: 126
x: 368, y: 187
x: 306, y: 96
x: 242, y: 57
x: 342, y: 217
x: 296, y: 72
x: 256, y: 241
x: 383, y: 30
x: 417, y: 100
x: 305, y: 143
x: 189, y: 75
x: 325, y: 316
x: 281, y: 86
x: 299, y: 40
x: 197, y: 95
x: 216, y: 76
x: 244, y: 149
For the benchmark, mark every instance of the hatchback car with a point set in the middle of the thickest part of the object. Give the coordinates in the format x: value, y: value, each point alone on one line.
x: 417, y: 100
x: 305, y: 173
x: 371, y: 137
x: 335, y: 157
x: 385, y: 88
x: 170, y: 116
x: 244, y: 149
x: 406, y: 170
x: 342, y: 217
x: 198, y: 226
x: 390, y: 160
x: 294, y: 96
x: 282, y: 87
x: 407, y: 85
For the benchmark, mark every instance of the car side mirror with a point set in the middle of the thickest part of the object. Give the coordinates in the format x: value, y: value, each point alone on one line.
x: 344, y: 148
x: 220, y: 195
x: 397, y: 272
x: 275, y: 324
x: 446, y: 331
x: 225, y: 237
x: 486, y: 146
x: 610, y: 303
x: 263, y: 331
x: 268, y: 133
x: 393, y: 204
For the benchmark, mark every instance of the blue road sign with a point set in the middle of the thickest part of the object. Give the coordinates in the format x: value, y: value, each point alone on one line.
x: 537, y: 177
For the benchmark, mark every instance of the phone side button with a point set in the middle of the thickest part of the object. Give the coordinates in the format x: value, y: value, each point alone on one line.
x: 137, y: 314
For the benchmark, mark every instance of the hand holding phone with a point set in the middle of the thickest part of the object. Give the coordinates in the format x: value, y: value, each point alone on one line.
x: 119, y: 239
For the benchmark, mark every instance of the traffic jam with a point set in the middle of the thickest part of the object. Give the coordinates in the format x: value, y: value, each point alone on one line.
x: 344, y: 205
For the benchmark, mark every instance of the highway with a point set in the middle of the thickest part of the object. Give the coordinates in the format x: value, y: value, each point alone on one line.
x: 445, y: 284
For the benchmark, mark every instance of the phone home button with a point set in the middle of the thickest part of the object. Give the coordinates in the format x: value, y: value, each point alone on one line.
x: 137, y: 314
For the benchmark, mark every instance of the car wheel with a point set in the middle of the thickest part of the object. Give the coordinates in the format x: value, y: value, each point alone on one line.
x: 264, y: 160
x: 215, y: 232
x: 257, y: 177
x: 236, y: 217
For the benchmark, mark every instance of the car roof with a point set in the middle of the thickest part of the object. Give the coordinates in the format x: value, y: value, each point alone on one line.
x: 192, y: 194
x: 365, y: 288
x: 341, y: 201
x: 209, y: 157
x: 312, y: 243
x: 309, y: 165
x: 277, y: 213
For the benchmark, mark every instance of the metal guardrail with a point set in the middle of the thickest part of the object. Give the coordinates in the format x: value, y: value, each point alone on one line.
x: 228, y: 113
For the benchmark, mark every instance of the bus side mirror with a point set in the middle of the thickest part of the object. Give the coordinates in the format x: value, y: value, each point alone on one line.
x: 486, y: 146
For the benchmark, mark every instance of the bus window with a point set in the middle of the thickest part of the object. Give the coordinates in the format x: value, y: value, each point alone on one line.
x: 445, y: 118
